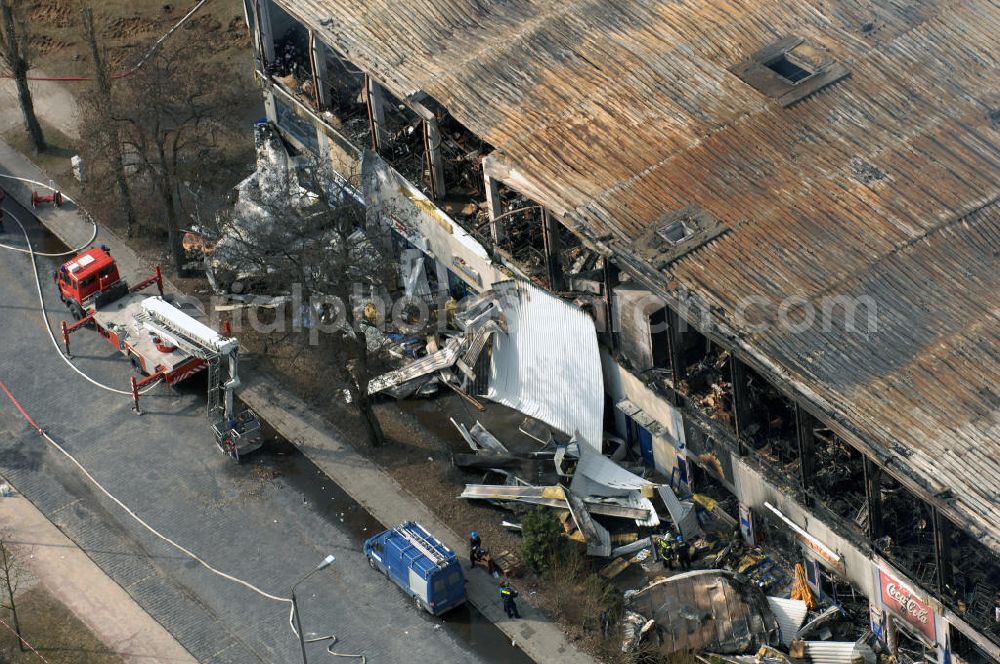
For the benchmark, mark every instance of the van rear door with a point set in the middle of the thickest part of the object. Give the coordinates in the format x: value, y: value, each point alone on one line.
x: 418, y: 585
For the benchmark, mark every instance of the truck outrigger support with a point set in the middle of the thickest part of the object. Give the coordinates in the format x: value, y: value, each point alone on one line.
x: 139, y: 384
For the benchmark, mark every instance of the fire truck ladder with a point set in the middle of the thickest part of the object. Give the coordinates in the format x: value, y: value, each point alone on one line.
x: 174, y: 334
x: 423, y: 545
x: 195, y: 349
x: 215, y: 388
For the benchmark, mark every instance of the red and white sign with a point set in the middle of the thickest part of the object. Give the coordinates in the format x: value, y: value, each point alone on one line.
x: 904, y: 603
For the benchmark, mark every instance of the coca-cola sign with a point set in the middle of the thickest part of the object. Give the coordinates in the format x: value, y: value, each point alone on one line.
x: 899, y: 599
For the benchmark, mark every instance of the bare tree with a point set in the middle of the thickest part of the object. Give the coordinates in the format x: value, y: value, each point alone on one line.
x: 172, y: 116
x: 166, y: 124
x: 105, y: 139
x: 285, y: 240
x: 11, y: 572
x: 15, y: 52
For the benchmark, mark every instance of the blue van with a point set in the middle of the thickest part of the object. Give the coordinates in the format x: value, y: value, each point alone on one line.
x: 419, y: 564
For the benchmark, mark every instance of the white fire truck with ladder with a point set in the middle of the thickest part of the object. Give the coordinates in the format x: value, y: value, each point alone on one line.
x: 162, y: 341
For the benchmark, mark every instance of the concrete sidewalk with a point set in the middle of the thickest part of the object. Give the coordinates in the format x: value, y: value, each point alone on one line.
x: 359, y: 477
x: 54, y: 105
x: 93, y: 597
x: 391, y: 504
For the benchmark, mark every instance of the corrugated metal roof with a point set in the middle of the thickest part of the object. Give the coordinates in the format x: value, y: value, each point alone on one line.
x: 883, y: 185
x: 790, y: 614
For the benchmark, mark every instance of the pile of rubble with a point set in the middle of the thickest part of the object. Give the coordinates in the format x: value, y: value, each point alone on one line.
x: 454, y: 359
x: 738, y: 603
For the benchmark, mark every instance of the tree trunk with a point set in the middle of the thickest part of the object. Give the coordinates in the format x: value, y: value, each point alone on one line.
x: 167, y: 193
x: 17, y: 623
x: 360, y: 378
x: 8, y: 571
x: 112, y: 136
x: 372, y: 426
x: 14, y: 54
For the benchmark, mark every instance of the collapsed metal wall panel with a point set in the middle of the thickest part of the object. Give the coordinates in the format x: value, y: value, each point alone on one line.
x: 548, y: 365
x: 790, y: 614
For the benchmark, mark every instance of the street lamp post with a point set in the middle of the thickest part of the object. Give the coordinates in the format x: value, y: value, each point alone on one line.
x: 295, y: 607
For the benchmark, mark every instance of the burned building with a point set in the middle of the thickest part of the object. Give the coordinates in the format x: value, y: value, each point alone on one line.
x: 784, y: 216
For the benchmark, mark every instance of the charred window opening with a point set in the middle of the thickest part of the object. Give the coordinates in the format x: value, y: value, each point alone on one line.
x: 782, y: 545
x: 342, y: 96
x: 706, y: 375
x: 530, y: 239
x: 973, y: 591
x: 769, y: 427
x: 641, y: 323
x: 522, y: 232
x: 909, y: 648
x: 290, y: 64
x: 838, y: 478
x: 401, y: 139
x: 462, y: 155
x: 907, y: 536
x: 705, y: 481
x: 851, y: 601
x: 965, y: 648
x: 660, y: 338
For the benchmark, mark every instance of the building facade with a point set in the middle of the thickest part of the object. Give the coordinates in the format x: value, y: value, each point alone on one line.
x: 739, y: 198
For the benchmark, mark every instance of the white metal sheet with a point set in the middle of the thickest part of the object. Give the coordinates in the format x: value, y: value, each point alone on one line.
x: 548, y: 365
x: 838, y: 652
x: 790, y: 613
x: 597, y: 475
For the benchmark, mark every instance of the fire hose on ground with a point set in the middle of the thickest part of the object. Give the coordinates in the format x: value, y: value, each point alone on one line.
x: 3, y: 387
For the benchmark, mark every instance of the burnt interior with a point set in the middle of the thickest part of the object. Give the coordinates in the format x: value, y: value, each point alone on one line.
x: 346, y: 105
x: 706, y: 378
x: 838, y: 478
x: 770, y: 428
x: 403, y: 144
x: 907, y: 531
x: 972, y: 585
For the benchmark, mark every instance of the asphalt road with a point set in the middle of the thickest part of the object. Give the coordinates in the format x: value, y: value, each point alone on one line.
x: 268, y: 521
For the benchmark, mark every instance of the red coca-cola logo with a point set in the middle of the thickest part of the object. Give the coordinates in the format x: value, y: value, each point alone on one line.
x: 900, y: 600
x: 906, y: 602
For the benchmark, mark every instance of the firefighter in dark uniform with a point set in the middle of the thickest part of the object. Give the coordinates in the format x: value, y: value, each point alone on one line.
x: 475, y: 548
x: 508, y: 595
x: 683, y: 552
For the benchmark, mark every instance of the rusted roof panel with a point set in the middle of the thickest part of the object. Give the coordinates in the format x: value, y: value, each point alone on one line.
x: 883, y: 185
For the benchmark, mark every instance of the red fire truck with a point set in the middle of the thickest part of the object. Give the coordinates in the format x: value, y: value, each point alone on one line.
x: 159, y: 338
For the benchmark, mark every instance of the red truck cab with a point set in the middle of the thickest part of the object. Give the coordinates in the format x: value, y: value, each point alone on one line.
x: 94, y: 271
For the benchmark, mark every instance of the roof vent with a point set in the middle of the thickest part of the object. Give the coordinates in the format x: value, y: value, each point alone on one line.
x: 676, y: 234
x: 787, y: 69
x: 790, y: 69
